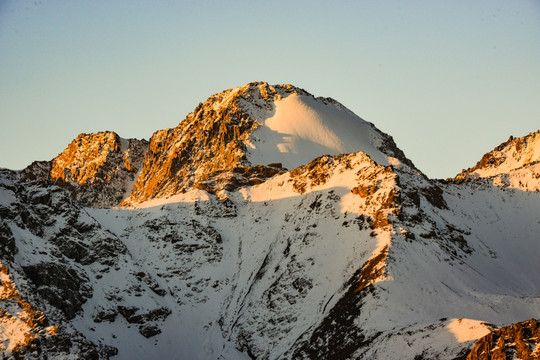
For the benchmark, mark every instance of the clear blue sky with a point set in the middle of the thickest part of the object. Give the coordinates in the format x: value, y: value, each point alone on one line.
x: 449, y: 80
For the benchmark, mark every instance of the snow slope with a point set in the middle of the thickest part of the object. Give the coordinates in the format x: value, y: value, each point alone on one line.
x: 301, y: 128
x: 474, y: 260
x: 243, y: 136
x: 320, y: 262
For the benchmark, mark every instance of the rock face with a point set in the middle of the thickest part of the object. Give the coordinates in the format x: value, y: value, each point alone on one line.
x: 239, y: 137
x: 97, y: 170
x: 518, y: 341
x: 24, y: 323
x: 223, y: 253
x: 514, y: 164
x: 58, y: 254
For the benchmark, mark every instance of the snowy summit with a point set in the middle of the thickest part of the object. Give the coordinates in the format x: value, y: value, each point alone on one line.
x: 296, y: 128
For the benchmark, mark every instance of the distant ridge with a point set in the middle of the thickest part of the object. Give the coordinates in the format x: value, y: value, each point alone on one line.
x: 513, y: 164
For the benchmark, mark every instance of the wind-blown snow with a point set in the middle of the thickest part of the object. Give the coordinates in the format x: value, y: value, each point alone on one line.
x: 302, y: 128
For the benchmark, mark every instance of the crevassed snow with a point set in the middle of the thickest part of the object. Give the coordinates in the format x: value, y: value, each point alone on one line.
x: 303, y: 128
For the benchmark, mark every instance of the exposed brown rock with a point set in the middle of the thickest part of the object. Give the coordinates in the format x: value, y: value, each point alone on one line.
x: 97, y: 170
x: 207, y: 150
x: 518, y: 341
x: 26, y: 323
x: 497, y: 156
x: 372, y: 270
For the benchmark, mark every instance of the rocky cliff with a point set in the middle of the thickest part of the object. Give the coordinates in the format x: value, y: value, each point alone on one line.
x: 207, y: 150
x: 227, y: 142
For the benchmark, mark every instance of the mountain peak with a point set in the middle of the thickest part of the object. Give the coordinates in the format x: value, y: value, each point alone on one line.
x: 244, y: 135
x: 81, y: 160
x: 352, y: 255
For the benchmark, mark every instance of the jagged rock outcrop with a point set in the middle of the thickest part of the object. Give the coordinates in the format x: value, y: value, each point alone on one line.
x: 515, y: 164
x: 27, y: 333
x: 97, y: 170
x: 207, y: 150
x: 518, y: 341
x: 58, y: 253
x: 23, y: 322
x: 62, y: 287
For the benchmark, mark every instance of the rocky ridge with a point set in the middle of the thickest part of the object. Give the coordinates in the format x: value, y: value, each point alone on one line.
x: 514, y: 164
x: 208, y: 150
x: 518, y: 341
x: 48, y: 290
x: 97, y: 170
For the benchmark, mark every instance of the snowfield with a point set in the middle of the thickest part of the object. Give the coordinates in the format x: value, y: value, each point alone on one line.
x: 301, y: 128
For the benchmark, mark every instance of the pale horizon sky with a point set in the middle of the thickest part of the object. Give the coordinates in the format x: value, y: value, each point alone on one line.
x: 448, y: 80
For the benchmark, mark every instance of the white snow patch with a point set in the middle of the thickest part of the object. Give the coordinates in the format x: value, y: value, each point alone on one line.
x: 303, y: 128
x: 13, y: 332
x: 535, y: 350
x: 7, y: 198
x: 189, y: 197
x: 467, y: 329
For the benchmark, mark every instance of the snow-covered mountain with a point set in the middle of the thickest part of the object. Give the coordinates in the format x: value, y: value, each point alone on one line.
x: 245, y: 135
x: 514, y: 164
x: 269, y: 224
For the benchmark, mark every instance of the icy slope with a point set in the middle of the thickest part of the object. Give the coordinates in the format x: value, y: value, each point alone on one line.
x: 474, y: 258
x: 221, y: 255
x: 205, y: 278
x: 340, y: 258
